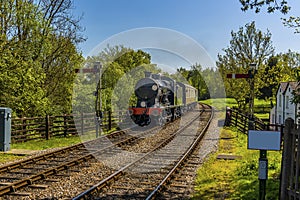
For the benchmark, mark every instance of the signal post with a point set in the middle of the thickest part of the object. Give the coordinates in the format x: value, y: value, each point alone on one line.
x: 263, y: 161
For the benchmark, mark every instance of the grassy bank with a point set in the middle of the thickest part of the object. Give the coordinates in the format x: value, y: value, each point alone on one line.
x: 236, y: 179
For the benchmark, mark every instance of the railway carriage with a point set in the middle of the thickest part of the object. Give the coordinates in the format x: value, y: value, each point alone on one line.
x: 161, y: 99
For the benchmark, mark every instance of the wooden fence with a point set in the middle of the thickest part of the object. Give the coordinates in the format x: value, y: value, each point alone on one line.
x: 240, y: 120
x: 290, y: 183
x: 34, y: 128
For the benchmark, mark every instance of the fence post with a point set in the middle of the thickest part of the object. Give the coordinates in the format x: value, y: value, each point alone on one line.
x: 47, y: 127
x: 65, y: 125
x: 236, y: 118
x: 245, y: 125
x: 109, y: 120
x: 82, y: 123
x: 24, y: 126
x: 286, y: 157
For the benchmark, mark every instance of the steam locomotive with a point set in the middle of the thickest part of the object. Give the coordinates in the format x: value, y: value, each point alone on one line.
x: 161, y: 99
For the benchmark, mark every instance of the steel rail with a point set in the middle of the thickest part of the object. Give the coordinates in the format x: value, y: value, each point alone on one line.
x: 44, y: 156
x: 113, y: 176
x: 42, y: 175
x: 182, y: 160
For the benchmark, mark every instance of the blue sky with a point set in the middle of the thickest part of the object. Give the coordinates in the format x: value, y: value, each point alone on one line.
x: 208, y: 22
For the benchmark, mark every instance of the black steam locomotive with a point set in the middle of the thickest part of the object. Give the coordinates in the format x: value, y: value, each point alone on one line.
x: 161, y: 99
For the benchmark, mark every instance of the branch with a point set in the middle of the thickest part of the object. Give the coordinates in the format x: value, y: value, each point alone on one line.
x: 272, y: 5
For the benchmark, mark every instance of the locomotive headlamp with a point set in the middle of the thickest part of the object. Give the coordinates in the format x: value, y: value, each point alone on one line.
x: 143, y: 104
x: 154, y: 87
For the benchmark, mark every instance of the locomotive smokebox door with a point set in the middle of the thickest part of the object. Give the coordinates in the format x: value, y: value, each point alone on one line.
x: 5, y: 129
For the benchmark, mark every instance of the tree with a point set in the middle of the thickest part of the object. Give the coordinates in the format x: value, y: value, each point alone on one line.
x: 248, y: 45
x: 292, y: 22
x: 279, y: 68
x: 38, y: 54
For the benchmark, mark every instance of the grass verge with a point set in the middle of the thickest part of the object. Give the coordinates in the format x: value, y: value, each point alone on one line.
x: 47, y: 144
x: 236, y: 179
x: 39, y: 145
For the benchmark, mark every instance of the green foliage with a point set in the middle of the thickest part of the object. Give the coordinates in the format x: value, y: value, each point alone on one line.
x: 272, y: 5
x: 248, y: 45
x: 121, y: 68
x: 292, y: 22
x: 208, y: 81
x: 38, y: 56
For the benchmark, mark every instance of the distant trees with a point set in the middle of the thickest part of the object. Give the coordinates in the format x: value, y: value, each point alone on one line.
x: 38, y: 55
x: 121, y: 68
x: 207, y: 81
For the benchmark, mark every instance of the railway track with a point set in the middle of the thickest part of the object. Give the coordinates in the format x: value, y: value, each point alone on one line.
x: 147, y: 175
x: 35, y: 177
x: 36, y: 172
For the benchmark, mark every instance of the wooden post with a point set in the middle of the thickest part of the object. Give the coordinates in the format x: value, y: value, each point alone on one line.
x: 47, y: 127
x: 286, y: 157
x: 109, y: 120
x: 236, y: 118
x: 245, y: 124
x: 82, y: 123
x: 65, y: 125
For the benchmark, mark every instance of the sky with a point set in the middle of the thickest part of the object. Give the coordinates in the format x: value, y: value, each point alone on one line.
x: 206, y: 23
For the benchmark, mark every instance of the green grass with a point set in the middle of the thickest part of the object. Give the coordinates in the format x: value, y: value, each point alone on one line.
x: 236, y: 179
x: 220, y: 103
x: 261, y: 107
x: 39, y: 145
x: 8, y: 157
x: 46, y: 144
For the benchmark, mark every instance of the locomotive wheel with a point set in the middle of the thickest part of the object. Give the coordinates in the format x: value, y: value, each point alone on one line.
x: 161, y: 121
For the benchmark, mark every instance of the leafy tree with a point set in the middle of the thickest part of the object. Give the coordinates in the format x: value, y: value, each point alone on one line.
x: 291, y: 22
x: 248, y: 45
x: 38, y: 54
x: 279, y: 68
